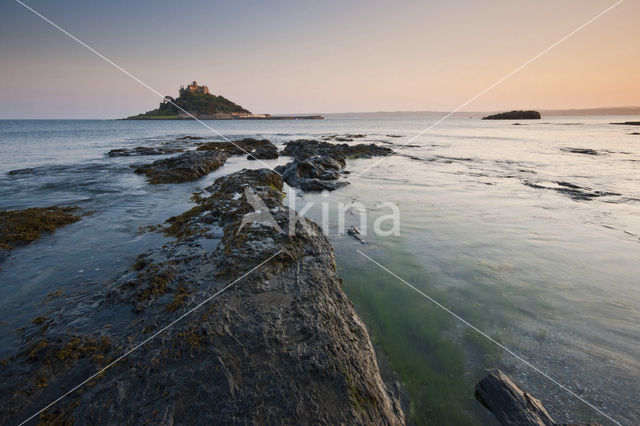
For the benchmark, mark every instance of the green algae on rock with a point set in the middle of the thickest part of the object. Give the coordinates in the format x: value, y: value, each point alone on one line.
x: 21, y: 227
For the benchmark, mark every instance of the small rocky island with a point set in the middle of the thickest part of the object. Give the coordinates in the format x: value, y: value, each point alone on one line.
x: 196, y: 101
x: 515, y: 115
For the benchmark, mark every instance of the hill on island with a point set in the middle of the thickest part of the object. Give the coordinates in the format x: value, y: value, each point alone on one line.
x: 195, y: 99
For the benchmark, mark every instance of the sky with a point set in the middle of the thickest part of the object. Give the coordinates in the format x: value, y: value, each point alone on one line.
x: 309, y: 56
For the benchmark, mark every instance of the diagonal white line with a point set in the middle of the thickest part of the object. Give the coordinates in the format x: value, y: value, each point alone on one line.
x: 153, y: 336
x: 482, y: 333
x: 498, y: 82
x: 101, y: 56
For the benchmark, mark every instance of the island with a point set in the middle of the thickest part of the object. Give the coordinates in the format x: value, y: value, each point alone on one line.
x: 196, y: 102
x: 515, y: 115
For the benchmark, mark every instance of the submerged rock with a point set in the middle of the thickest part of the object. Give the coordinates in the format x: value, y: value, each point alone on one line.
x: 576, y: 192
x: 629, y: 123
x: 26, y: 171
x: 278, y: 344
x: 185, y: 167
x: 514, y: 115
x: 20, y: 227
x: 354, y: 232
x: 587, y: 151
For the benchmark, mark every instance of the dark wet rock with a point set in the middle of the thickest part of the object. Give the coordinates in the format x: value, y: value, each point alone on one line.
x: 354, y: 232
x: 317, y: 164
x: 344, y: 138
x: 515, y: 115
x: 634, y: 133
x: 238, y: 147
x: 511, y: 405
x: 394, y: 136
x: 142, y: 150
x: 629, y: 123
x: 574, y: 191
x: 268, y: 152
x: 281, y: 344
x: 190, y: 138
x: 586, y: 151
x: 21, y: 227
x: 26, y: 171
x: 303, y: 148
x: 316, y: 173
x: 186, y: 167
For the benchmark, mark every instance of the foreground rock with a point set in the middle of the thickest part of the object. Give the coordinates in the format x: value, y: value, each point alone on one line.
x: 510, y: 404
x: 317, y: 165
x: 281, y: 344
x: 186, y: 167
x: 20, y: 227
x: 515, y: 115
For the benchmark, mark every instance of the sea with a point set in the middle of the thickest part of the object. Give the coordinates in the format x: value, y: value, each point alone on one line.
x: 518, y: 244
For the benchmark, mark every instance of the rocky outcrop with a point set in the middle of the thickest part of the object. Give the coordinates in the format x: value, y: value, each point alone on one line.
x: 316, y: 173
x: 280, y: 344
x: 240, y: 146
x: 189, y: 166
x: 317, y: 165
x: 514, y: 115
x: 268, y: 152
x: 304, y: 148
x: 20, y: 227
x: 142, y: 150
x: 510, y: 404
x: 629, y: 123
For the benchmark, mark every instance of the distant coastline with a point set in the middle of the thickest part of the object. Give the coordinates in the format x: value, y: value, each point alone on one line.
x: 605, y: 111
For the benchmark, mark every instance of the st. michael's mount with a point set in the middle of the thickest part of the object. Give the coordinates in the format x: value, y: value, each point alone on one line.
x: 196, y: 101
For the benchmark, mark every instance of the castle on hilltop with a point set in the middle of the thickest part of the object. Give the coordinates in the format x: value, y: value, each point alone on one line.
x: 194, y: 88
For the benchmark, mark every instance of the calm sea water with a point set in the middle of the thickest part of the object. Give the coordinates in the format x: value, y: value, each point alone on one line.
x: 534, y: 244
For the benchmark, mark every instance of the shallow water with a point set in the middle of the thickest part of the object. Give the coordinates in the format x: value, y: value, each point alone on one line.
x: 534, y: 244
